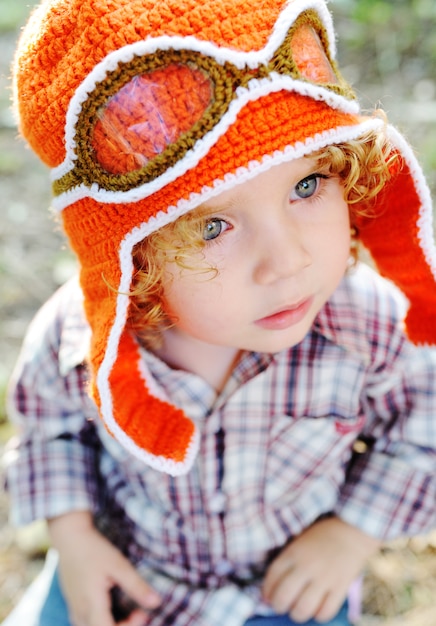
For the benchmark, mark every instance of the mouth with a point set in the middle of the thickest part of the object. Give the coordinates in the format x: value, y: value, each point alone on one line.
x: 287, y: 317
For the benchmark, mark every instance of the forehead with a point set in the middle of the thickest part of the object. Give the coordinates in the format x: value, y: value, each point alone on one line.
x: 287, y: 174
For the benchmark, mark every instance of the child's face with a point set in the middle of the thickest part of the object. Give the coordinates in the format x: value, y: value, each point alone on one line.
x: 280, y: 243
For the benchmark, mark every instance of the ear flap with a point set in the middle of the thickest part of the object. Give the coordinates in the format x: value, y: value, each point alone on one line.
x: 400, y: 240
x: 152, y: 429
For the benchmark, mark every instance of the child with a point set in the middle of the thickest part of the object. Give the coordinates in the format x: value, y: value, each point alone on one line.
x: 229, y: 414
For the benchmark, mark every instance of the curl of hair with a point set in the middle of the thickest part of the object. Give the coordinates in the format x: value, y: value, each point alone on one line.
x: 364, y: 167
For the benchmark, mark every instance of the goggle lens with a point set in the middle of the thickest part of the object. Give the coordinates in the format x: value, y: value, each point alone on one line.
x: 152, y: 111
x: 310, y: 57
x: 149, y: 113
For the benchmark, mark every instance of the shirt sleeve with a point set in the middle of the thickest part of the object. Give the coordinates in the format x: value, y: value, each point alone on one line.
x: 51, y: 465
x: 391, y: 487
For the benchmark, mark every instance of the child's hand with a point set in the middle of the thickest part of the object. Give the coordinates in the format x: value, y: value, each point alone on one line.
x: 311, y: 576
x: 89, y: 567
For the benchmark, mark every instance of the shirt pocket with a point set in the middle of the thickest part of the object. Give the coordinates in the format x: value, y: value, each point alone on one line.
x: 308, y: 452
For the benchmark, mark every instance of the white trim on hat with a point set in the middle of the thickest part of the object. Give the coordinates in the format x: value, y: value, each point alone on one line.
x: 255, y: 89
x: 141, y: 231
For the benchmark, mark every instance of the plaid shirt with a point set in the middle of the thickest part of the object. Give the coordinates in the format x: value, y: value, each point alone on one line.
x: 278, y: 449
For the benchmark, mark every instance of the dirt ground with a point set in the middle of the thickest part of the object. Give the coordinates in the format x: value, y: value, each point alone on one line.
x: 400, y: 585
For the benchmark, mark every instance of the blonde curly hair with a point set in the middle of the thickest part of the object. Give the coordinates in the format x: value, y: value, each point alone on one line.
x: 363, y: 166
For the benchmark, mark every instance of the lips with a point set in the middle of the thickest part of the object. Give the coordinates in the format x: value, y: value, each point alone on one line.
x: 287, y: 317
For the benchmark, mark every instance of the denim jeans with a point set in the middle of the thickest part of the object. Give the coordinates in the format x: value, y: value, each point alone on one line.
x: 47, y: 607
x: 341, y: 619
x: 54, y: 610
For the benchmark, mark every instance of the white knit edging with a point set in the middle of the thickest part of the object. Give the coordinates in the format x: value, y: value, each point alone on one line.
x: 160, y: 463
x: 254, y: 90
x: 425, y: 220
x: 240, y: 59
x: 243, y: 174
x: 126, y: 265
x: 230, y: 180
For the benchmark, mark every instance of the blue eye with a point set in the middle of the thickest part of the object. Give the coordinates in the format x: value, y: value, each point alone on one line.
x: 307, y: 187
x: 213, y: 229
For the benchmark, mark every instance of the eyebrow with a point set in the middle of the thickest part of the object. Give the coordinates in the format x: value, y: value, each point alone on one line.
x: 204, y: 210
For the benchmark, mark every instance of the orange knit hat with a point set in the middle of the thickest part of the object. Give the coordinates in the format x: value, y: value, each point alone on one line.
x: 145, y: 109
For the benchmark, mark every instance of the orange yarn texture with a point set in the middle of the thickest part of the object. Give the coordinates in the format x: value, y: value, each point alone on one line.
x: 67, y: 38
x: 148, y: 114
x: 63, y: 42
x: 393, y: 238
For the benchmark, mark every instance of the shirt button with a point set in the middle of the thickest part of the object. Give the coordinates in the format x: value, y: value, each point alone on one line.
x: 217, y: 502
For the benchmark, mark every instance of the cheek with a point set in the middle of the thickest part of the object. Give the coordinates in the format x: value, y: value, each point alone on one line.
x: 341, y: 235
x: 176, y: 300
x: 186, y: 294
x: 172, y: 295
x: 331, y: 244
x: 340, y: 228
x: 333, y: 235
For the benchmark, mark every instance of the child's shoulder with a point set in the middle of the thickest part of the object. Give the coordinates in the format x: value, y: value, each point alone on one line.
x: 60, y: 327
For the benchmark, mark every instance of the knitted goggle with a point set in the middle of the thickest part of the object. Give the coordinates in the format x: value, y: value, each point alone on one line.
x: 154, y: 115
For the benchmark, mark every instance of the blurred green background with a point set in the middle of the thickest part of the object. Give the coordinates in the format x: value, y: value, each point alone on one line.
x: 388, y: 51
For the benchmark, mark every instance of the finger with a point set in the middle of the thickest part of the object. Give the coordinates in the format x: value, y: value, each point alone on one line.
x: 330, y: 607
x: 284, y: 593
x: 100, y: 613
x: 278, y: 569
x: 97, y: 613
x: 307, y: 604
x: 136, y: 588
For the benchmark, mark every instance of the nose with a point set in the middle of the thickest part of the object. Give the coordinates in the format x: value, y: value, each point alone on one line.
x: 281, y: 253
